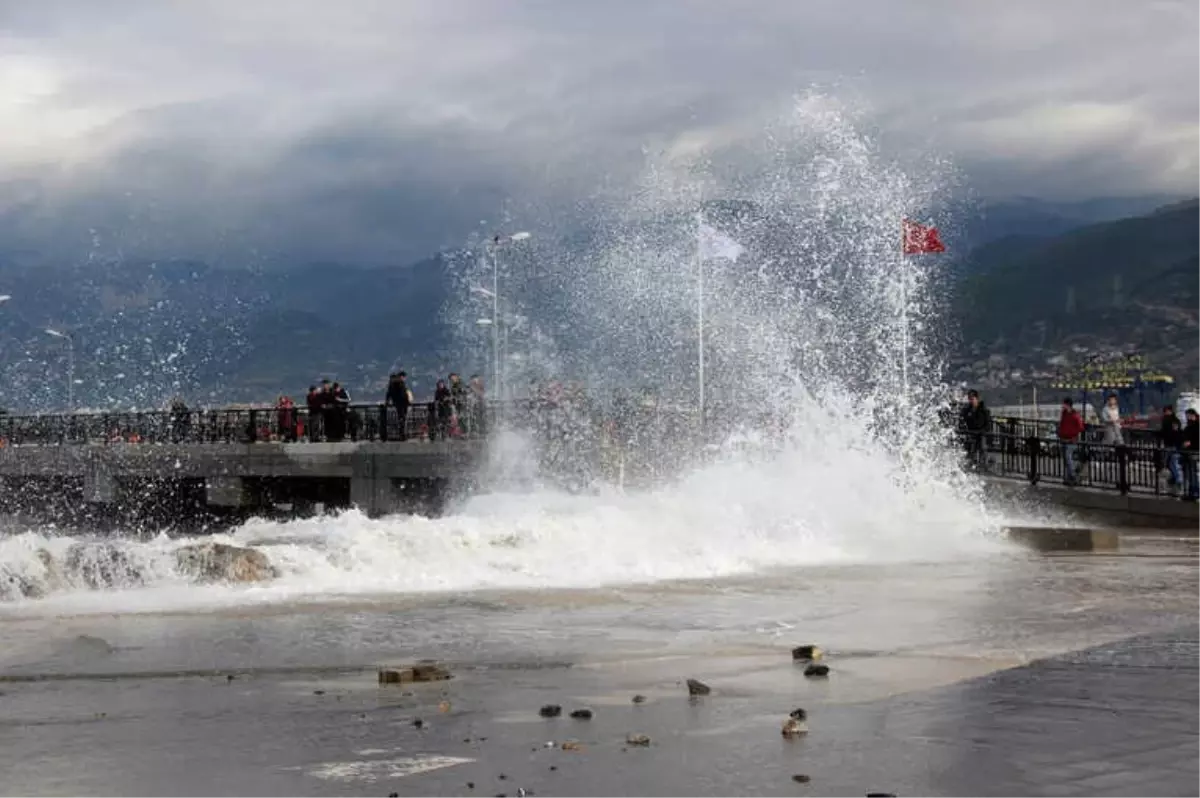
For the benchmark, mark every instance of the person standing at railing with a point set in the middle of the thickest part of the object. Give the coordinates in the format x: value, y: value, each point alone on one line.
x: 1110, y: 422
x: 443, y: 408
x: 1190, y: 451
x: 476, y: 399
x: 1070, y: 427
x: 286, y: 419
x: 1170, y: 435
x: 181, y: 418
x: 337, y: 413
x: 400, y: 397
x: 975, y: 423
x: 316, y: 414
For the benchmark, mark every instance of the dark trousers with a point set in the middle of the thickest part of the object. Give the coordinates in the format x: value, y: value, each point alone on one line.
x: 401, y: 424
x: 977, y: 450
x: 316, y: 424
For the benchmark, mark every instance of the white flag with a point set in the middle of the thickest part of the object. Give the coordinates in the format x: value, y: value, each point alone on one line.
x: 715, y: 245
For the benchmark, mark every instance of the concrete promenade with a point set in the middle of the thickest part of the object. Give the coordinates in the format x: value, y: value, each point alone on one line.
x: 1117, y: 719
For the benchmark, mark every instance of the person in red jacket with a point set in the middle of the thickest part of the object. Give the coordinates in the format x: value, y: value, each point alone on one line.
x: 1070, y: 428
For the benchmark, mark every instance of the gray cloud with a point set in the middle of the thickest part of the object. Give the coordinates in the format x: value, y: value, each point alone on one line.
x: 379, y: 131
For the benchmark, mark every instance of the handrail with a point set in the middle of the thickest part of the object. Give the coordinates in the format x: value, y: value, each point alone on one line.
x: 366, y: 422
x: 1124, y: 468
x: 1048, y: 430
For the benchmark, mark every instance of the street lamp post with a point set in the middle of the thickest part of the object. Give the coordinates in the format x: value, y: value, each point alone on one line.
x: 497, y: 242
x: 70, y: 365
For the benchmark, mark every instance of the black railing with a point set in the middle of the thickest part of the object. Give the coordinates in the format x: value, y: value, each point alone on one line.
x: 245, y: 425
x: 1014, y: 448
x: 1126, y: 468
x: 1048, y: 430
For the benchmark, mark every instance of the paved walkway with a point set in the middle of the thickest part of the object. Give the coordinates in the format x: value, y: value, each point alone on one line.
x: 1120, y: 719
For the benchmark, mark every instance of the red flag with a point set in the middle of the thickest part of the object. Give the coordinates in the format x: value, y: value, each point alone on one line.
x: 918, y: 238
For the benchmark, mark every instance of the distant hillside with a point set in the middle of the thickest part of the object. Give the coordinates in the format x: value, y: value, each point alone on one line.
x: 1033, y: 219
x: 1129, y: 283
x: 1048, y: 280
x: 146, y: 331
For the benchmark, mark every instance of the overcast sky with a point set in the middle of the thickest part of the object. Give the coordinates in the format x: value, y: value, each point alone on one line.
x: 381, y: 131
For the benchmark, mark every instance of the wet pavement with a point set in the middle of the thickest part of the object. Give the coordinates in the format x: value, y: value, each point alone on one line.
x: 1119, y: 719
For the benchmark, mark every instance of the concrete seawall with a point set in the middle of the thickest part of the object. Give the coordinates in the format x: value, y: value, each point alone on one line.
x: 1106, y: 507
x: 378, y: 478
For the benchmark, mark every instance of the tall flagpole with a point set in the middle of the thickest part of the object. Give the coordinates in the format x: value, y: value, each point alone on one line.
x: 700, y: 323
x: 903, y: 322
x: 904, y: 335
x: 496, y: 321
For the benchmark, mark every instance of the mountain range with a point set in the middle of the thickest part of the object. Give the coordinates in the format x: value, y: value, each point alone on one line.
x: 145, y: 331
x: 1122, y: 286
x: 1040, y: 279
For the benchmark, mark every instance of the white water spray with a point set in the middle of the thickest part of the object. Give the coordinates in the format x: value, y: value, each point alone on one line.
x: 809, y: 341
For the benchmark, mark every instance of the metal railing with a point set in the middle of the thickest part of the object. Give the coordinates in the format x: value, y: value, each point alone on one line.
x: 1126, y: 469
x: 1048, y: 430
x: 1014, y: 448
x: 359, y: 422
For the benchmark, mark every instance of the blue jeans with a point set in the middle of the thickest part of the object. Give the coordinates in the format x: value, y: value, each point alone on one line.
x: 1174, y: 469
x: 1191, y: 475
x: 1068, y: 454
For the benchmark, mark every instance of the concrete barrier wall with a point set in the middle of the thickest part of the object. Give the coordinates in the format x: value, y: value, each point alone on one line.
x: 412, y: 460
x: 1108, y: 507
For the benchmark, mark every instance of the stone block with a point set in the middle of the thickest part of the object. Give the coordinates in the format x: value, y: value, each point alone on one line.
x: 425, y: 672
x: 1050, y: 538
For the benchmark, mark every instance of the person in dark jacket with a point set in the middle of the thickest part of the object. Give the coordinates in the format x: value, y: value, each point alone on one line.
x: 181, y: 420
x: 399, y: 397
x: 348, y: 418
x: 443, y: 404
x: 336, y: 403
x: 478, y: 405
x: 975, y: 423
x: 1170, y: 436
x: 1190, y: 450
x: 1070, y: 427
x: 316, y: 425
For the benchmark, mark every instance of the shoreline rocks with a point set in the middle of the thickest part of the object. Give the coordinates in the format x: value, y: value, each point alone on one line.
x: 793, y: 728
x: 807, y: 653
x: 220, y: 562
x: 697, y: 688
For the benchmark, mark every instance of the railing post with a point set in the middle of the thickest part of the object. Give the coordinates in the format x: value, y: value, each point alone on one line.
x: 253, y: 426
x: 1034, y: 444
x: 1123, y: 469
x: 383, y: 422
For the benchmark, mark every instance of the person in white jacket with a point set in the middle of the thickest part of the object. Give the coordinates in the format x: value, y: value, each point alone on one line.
x: 1110, y: 422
